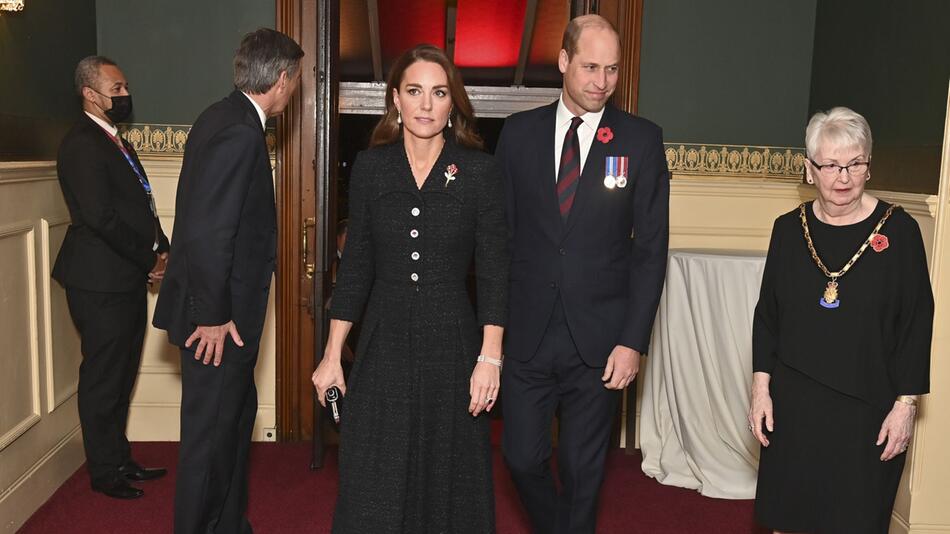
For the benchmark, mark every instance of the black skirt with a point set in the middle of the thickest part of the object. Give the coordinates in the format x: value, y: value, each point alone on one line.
x: 822, y: 470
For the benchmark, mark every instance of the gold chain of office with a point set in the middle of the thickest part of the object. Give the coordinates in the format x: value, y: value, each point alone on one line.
x: 831, y: 290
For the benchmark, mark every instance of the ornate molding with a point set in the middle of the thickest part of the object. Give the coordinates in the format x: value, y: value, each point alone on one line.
x: 169, y: 139
x: 786, y: 163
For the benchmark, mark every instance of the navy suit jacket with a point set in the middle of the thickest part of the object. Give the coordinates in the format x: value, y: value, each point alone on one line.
x: 607, y: 262
x: 224, y: 243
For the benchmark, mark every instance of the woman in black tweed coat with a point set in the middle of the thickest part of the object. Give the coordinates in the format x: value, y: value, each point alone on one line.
x: 415, y: 455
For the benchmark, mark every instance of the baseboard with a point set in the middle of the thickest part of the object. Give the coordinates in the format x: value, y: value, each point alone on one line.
x: 35, y: 487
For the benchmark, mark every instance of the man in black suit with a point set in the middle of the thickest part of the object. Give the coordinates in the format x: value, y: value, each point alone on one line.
x: 214, y: 297
x: 588, y: 204
x: 114, y: 247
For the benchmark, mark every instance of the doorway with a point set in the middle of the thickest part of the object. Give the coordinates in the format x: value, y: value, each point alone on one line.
x: 507, y: 53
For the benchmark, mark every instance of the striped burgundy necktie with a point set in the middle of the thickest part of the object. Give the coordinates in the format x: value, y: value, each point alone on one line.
x: 569, y: 171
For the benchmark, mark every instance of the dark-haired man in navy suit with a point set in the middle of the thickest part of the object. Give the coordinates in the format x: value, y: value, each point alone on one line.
x: 588, y: 214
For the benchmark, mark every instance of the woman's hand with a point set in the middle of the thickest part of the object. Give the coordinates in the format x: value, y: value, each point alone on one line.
x: 483, y: 387
x: 328, y: 373
x: 897, y: 429
x: 761, y: 407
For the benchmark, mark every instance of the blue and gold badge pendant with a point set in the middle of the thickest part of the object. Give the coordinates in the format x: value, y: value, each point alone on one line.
x: 830, y: 297
x: 616, y: 170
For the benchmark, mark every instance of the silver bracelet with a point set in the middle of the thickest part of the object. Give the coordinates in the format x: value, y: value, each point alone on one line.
x: 488, y: 359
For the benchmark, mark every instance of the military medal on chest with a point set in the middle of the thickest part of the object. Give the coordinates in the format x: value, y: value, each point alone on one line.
x: 877, y: 241
x: 616, y: 170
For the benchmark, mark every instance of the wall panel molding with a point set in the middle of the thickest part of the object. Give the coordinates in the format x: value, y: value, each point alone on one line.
x: 55, y: 319
x: 784, y: 163
x: 27, y: 232
x: 27, y: 171
x: 169, y: 139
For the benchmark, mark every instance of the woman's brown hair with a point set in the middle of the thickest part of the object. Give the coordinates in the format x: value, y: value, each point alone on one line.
x: 462, y: 116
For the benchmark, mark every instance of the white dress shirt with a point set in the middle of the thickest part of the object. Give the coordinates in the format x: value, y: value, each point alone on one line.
x: 105, y: 125
x: 260, y: 111
x: 585, y: 132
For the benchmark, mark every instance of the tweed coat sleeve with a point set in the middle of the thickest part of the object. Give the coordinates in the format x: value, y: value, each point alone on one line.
x: 357, y: 266
x: 491, y: 248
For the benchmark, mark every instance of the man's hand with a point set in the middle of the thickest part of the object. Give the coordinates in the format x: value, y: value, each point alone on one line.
x: 622, y: 367
x: 211, y: 341
x: 158, y: 272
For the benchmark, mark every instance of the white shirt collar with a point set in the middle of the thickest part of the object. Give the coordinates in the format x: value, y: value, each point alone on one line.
x: 260, y: 111
x: 105, y: 125
x: 564, y: 115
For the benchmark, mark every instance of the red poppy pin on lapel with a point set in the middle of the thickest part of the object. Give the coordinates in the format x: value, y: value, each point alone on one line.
x: 605, y: 134
x: 879, y: 242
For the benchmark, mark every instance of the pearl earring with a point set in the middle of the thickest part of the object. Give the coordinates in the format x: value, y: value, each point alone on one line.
x: 450, y: 122
x: 398, y: 117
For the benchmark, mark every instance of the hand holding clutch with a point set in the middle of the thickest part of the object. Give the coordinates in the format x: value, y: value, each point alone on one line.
x: 333, y: 398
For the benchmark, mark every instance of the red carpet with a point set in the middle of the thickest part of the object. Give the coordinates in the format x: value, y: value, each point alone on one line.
x: 286, y: 497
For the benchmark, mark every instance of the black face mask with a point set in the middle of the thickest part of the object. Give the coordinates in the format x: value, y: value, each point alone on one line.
x: 121, y: 107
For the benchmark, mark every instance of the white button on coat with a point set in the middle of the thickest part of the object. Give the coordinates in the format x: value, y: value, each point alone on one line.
x: 414, y: 277
x: 414, y: 255
x: 413, y: 233
x: 415, y: 212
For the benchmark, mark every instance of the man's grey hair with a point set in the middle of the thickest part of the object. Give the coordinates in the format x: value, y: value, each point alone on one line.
x: 840, y: 127
x: 263, y: 55
x: 87, y: 71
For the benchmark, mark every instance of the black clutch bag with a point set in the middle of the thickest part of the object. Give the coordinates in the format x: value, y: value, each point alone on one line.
x: 333, y: 398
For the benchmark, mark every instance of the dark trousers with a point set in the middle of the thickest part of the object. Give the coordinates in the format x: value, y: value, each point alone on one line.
x: 557, y: 379
x: 218, y: 408
x: 111, y: 328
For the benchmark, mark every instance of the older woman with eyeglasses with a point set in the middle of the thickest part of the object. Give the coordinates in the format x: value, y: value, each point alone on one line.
x: 841, y: 344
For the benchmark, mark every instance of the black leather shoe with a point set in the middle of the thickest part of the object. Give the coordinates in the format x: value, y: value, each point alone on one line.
x: 134, y: 471
x: 119, y: 489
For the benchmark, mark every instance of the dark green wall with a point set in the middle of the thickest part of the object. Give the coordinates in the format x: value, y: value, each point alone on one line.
x: 889, y: 61
x: 727, y: 71
x: 177, y: 54
x: 39, y: 49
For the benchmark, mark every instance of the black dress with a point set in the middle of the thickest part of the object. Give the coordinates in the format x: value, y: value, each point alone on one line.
x: 835, y: 373
x: 412, y: 459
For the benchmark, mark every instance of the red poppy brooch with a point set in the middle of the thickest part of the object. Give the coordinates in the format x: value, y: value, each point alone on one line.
x: 450, y: 173
x: 879, y: 242
x: 605, y: 134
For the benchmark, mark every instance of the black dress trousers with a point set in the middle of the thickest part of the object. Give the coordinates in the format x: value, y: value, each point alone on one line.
x: 112, y: 329
x: 556, y: 379
x: 218, y: 407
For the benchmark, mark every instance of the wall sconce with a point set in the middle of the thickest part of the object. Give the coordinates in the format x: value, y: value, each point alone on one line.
x: 11, y: 5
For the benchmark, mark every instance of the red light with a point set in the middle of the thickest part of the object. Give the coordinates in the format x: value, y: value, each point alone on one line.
x: 488, y: 32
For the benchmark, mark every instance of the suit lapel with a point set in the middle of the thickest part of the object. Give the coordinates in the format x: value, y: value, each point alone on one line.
x: 547, y: 177
x: 593, y: 174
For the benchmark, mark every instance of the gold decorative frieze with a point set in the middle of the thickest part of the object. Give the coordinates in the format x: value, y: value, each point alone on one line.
x: 169, y: 139
x: 786, y: 163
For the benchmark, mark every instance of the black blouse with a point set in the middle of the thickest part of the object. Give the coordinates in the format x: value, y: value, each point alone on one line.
x: 876, y: 344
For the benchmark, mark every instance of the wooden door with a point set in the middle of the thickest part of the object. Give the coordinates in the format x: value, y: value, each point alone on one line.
x: 306, y: 180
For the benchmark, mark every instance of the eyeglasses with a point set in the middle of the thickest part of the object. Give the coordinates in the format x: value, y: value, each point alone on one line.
x: 858, y: 168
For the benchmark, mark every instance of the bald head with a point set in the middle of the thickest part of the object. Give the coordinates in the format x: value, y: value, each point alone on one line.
x: 572, y: 34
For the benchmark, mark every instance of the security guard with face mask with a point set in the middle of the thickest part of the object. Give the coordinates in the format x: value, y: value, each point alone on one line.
x: 114, y: 248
